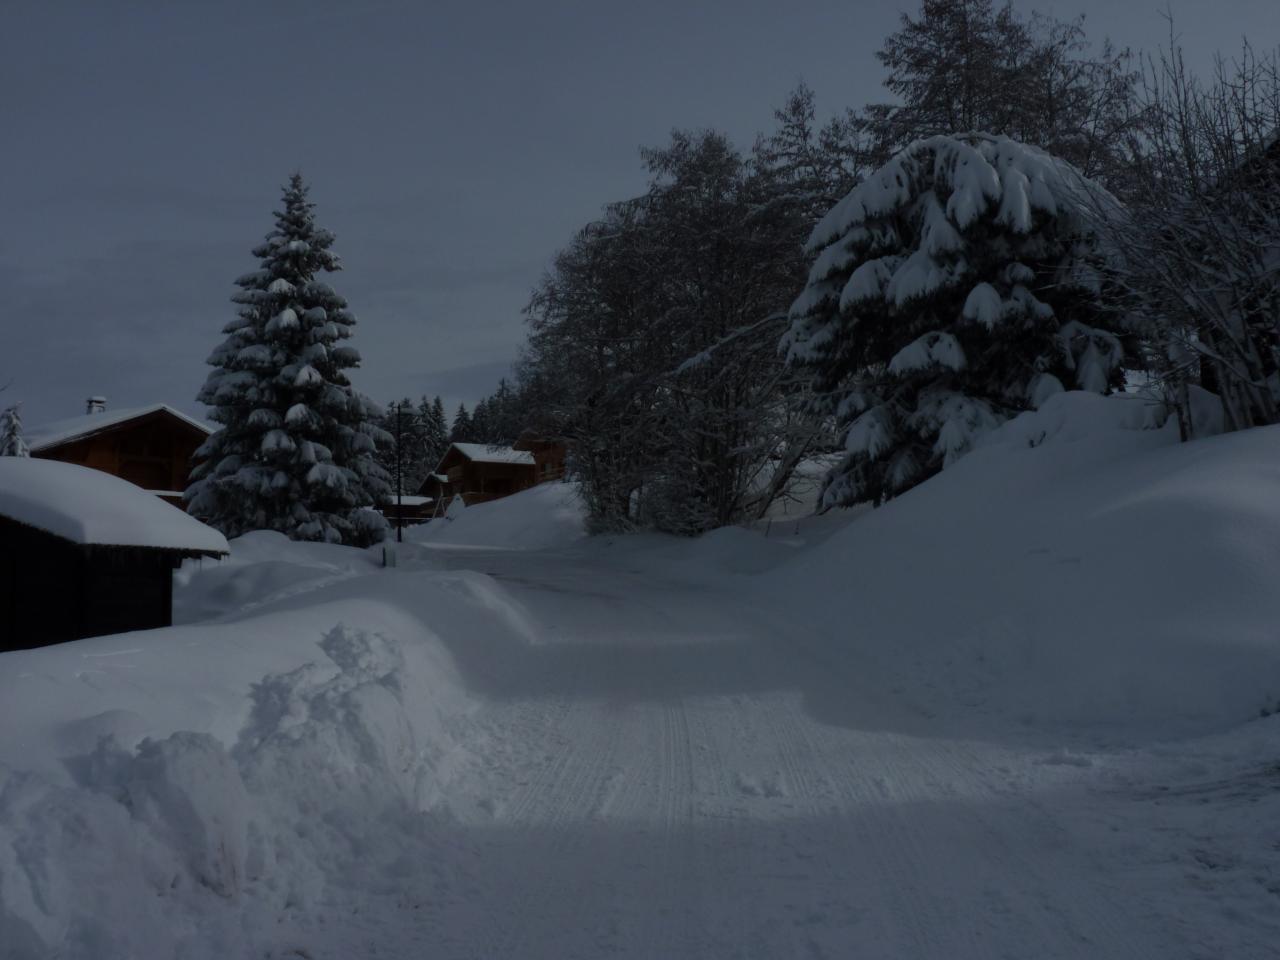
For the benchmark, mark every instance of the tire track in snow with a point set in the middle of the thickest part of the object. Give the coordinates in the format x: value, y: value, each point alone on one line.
x: 675, y: 802
x: 922, y: 791
x: 886, y: 887
x: 557, y: 805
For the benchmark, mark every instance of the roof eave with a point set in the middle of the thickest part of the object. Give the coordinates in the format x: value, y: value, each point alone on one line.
x: 93, y: 430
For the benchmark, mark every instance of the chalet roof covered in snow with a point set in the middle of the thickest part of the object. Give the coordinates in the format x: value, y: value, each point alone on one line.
x: 93, y: 508
x: 483, y: 453
x: 58, y: 432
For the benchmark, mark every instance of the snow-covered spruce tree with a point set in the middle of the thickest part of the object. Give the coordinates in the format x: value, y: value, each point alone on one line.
x: 11, y: 442
x: 953, y: 288
x: 296, y: 448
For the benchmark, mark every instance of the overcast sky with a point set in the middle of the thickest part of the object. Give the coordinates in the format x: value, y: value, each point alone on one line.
x: 451, y: 147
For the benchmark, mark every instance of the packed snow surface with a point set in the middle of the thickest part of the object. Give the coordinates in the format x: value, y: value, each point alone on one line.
x: 88, y: 506
x: 1018, y: 712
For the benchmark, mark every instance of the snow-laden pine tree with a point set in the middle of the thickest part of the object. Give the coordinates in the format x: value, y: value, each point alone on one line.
x: 296, y: 448
x: 953, y: 288
x: 12, y: 443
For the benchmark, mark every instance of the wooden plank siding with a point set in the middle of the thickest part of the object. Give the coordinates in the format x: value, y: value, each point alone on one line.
x: 52, y: 590
x: 155, y: 451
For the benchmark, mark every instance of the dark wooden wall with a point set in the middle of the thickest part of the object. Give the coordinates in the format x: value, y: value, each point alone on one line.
x: 154, y: 451
x: 481, y: 482
x: 52, y: 591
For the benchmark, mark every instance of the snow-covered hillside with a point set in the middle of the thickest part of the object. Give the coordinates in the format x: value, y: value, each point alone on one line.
x: 1016, y: 712
x: 1076, y: 574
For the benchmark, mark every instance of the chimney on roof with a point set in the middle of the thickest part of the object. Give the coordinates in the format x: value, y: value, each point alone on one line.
x: 96, y: 405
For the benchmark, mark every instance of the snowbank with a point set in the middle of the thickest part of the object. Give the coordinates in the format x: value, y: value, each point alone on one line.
x: 264, y: 566
x: 546, y: 516
x: 211, y: 790
x: 1072, y: 571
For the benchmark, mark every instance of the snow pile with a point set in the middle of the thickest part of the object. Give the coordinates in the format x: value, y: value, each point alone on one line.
x: 264, y: 566
x: 91, y: 507
x: 1081, y: 416
x: 542, y: 517
x: 211, y: 790
x: 1072, y: 571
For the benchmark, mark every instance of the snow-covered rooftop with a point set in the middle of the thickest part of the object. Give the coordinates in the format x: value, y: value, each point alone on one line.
x: 483, y: 453
x: 90, y: 507
x: 73, y: 428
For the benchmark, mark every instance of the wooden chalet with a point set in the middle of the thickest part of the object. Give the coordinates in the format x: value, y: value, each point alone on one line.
x: 479, y: 472
x: 151, y: 447
x: 83, y: 553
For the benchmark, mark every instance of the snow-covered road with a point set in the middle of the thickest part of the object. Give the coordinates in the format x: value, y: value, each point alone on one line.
x: 669, y: 772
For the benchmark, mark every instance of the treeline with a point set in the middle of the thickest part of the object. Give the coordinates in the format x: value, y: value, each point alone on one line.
x: 824, y: 291
x: 653, y: 339
x: 418, y: 433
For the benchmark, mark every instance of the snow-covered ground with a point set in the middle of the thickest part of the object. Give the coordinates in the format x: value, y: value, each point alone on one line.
x: 1015, y: 713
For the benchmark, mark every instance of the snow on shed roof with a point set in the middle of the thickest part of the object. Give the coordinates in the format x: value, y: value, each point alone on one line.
x: 90, y: 507
x: 483, y: 453
x: 410, y: 500
x: 48, y: 435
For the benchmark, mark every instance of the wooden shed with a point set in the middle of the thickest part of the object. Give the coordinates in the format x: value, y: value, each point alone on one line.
x: 83, y: 553
x: 436, y: 489
x: 151, y: 447
x: 407, y: 509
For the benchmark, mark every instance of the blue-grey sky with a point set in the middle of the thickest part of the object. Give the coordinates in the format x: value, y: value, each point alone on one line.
x: 451, y: 147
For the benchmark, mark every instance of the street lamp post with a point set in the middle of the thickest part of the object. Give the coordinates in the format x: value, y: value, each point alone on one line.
x: 399, y: 472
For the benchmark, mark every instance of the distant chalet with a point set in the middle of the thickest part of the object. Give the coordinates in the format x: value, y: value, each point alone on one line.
x: 83, y: 553
x: 150, y: 446
x: 479, y: 472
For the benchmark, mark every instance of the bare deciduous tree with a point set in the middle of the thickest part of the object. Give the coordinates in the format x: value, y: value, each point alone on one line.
x: 1199, y: 252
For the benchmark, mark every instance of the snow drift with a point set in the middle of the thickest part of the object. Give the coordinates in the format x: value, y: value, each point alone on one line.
x: 1074, y: 570
x: 210, y: 790
x: 545, y: 516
